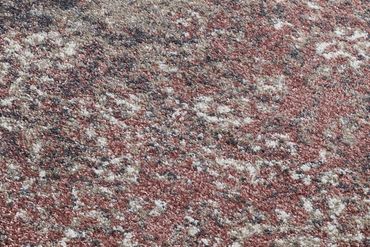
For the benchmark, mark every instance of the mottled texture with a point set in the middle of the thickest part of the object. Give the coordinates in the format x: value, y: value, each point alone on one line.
x: 184, y: 123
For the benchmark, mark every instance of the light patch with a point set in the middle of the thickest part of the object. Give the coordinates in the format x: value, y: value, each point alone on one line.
x: 120, y: 216
x: 111, y: 176
x: 38, y: 91
x: 358, y: 35
x: 131, y: 106
x: 331, y: 229
x: 236, y: 244
x: 211, y: 119
x: 247, y: 120
x: 135, y: 205
x: 256, y: 148
x: 56, y: 38
x: 13, y: 167
x: 296, y: 176
x: 202, y: 108
x: 132, y: 173
x: 36, y: 148
x: 336, y: 54
x: 202, y: 105
x: 63, y: 242
x: 7, y: 101
x: 223, y: 109
x: 177, y: 113
x: 322, y: 155
x: 27, y: 184
x: 339, y: 31
x: 282, y: 215
x: 160, y: 207
x: 166, y: 68
x: 75, y: 196
x: 70, y: 233
x: 105, y: 190
x: 36, y: 38
x: 102, y: 141
x: 128, y: 240
x: 341, y: 52
x: 115, y: 160
x: 42, y: 174
x: 160, y: 204
x: 307, y: 205
x: 239, y: 166
x: 90, y: 132
x: 306, y: 167
x: 84, y: 112
x: 317, y: 213
x: 336, y: 205
x: 4, y: 122
x: 12, y: 47
x: 307, y: 180
x: 70, y: 49
x: 169, y: 90
x: 321, y: 47
x: 193, y: 230
x: 247, y: 231
x: 272, y: 143
x: 329, y: 178
x: 227, y: 122
x: 355, y: 63
x: 312, y: 5
x: 280, y: 24
x: 309, y: 241
x: 22, y: 214
x: 271, y: 86
x: 205, y: 241
x: 98, y: 171
x: 220, y: 185
x: 191, y: 219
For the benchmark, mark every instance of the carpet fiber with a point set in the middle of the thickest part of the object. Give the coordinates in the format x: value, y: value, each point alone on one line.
x: 224, y: 123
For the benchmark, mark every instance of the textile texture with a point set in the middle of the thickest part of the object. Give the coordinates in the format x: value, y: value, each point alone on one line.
x: 184, y: 123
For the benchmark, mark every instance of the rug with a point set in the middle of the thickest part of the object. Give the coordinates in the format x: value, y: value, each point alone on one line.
x: 184, y: 123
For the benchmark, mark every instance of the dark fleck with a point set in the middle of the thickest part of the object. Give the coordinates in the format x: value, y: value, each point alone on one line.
x: 45, y: 21
x: 66, y: 4
x: 55, y: 131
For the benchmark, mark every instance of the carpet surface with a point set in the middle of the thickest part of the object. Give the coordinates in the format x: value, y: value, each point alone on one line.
x: 184, y: 123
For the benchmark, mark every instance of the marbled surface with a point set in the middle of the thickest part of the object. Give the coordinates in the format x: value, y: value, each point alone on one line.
x: 184, y: 123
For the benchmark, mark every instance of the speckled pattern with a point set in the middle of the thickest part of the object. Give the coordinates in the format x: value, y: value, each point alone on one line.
x: 224, y: 123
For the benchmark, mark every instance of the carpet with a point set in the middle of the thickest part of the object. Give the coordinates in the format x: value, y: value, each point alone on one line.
x: 184, y: 123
